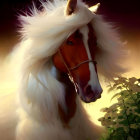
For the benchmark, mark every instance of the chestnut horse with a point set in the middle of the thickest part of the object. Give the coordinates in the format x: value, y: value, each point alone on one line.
x: 80, y: 63
x: 63, y: 48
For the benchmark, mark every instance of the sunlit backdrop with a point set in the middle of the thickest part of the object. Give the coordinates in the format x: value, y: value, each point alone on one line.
x: 125, y: 15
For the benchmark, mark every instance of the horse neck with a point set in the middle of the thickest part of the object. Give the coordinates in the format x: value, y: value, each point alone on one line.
x: 70, y: 100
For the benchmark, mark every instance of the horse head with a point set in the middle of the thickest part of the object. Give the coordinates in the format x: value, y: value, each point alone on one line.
x: 76, y: 57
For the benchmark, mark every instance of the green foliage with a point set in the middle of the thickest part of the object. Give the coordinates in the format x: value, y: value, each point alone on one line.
x: 122, y: 119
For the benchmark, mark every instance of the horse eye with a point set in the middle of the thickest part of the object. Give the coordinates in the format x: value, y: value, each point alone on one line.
x: 69, y: 42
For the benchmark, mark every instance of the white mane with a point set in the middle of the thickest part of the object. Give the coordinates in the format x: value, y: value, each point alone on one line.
x: 42, y: 34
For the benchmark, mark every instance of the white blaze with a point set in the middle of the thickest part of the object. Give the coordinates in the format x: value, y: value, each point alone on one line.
x: 93, y: 81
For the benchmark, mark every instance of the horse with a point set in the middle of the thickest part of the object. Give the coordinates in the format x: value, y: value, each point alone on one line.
x: 63, y: 48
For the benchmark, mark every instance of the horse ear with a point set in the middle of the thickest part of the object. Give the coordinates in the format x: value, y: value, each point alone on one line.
x: 71, y: 6
x: 94, y: 8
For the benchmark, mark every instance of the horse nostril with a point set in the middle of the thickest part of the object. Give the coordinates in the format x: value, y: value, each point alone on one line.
x: 88, y: 89
x: 96, y: 94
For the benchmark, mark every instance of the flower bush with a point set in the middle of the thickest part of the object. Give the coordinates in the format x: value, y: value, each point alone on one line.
x: 122, y: 119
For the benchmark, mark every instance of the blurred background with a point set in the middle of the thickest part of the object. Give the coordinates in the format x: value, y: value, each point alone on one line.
x: 124, y: 14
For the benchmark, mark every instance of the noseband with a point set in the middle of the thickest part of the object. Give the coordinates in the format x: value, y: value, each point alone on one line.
x: 74, y: 68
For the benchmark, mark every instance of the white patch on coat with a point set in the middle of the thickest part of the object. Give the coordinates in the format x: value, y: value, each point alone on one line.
x: 93, y: 81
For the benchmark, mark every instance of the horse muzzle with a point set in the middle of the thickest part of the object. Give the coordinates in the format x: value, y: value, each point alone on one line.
x: 87, y: 94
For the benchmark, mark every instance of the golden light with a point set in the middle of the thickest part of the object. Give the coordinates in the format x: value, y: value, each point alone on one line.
x: 8, y: 85
x: 7, y: 80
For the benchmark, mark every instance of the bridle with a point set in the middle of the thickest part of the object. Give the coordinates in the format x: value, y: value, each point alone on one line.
x: 78, y: 65
x: 74, y: 68
x: 70, y: 69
